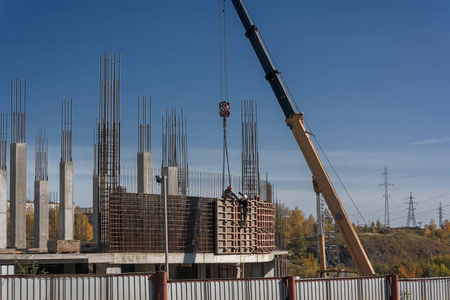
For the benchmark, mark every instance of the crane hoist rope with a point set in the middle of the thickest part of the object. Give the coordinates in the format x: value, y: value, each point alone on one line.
x: 224, y: 105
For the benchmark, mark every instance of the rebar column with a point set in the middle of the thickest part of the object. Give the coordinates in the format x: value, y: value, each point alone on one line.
x: 3, y: 181
x: 41, y: 219
x: 18, y: 165
x: 66, y: 174
x: 144, y: 155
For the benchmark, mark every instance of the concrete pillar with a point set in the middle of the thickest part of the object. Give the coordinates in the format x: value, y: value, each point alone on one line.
x: 18, y: 195
x: 66, y: 200
x: 95, y: 200
x: 172, y: 179
x: 3, y: 208
x: 41, y: 214
x: 144, y: 173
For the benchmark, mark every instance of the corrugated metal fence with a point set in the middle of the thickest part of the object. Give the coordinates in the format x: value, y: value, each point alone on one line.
x: 424, y: 288
x: 55, y: 287
x: 362, y: 288
x: 252, y: 289
x: 155, y: 286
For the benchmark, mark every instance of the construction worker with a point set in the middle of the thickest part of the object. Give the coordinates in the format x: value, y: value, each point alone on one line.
x: 228, y: 194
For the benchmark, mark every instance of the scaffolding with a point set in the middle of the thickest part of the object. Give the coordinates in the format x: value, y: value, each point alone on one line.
x: 250, y: 156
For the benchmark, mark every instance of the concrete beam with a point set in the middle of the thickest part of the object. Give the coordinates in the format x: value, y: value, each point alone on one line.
x: 41, y: 214
x: 18, y: 196
x: 144, y: 173
x: 3, y: 208
x: 172, y: 179
x: 66, y: 200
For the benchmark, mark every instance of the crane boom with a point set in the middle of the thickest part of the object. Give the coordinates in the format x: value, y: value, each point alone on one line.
x: 321, y: 181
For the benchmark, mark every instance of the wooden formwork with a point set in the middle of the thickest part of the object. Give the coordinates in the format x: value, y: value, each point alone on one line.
x: 240, y: 232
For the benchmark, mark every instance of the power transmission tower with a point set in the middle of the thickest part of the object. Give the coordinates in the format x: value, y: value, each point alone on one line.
x: 411, y: 216
x: 386, y: 198
x: 441, y: 215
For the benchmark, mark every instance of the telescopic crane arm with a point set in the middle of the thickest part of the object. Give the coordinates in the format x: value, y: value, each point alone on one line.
x: 294, y: 120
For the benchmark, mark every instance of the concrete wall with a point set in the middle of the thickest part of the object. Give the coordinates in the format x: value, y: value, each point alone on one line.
x: 172, y: 179
x: 144, y: 173
x: 41, y: 214
x: 18, y: 190
x: 66, y: 200
x: 3, y: 208
x: 95, y: 207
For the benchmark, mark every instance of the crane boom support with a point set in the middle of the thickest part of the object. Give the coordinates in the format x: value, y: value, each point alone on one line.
x: 294, y: 120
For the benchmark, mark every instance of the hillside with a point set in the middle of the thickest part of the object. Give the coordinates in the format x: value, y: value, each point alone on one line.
x: 388, y: 249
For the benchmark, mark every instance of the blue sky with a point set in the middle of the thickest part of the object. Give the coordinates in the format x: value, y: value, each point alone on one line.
x: 371, y: 77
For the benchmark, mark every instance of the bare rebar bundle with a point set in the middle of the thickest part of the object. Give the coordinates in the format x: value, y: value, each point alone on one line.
x: 66, y: 130
x: 174, y: 147
x: 144, y: 125
x: 18, y: 112
x: 129, y: 178
x: 250, y: 155
x: 41, y: 157
x: 96, y: 141
x: 108, y: 143
x: 3, y: 140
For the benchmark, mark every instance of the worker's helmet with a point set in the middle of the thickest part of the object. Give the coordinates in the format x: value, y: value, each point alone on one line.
x: 230, y: 188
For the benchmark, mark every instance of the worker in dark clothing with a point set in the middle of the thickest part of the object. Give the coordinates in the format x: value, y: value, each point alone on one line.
x: 228, y: 194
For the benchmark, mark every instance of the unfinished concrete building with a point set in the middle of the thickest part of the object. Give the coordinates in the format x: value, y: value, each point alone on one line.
x: 208, y: 236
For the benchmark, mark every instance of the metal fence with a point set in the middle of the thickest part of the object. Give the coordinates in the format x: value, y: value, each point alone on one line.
x: 436, y: 288
x: 251, y: 289
x: 55, y: 287
x: 363, y: 288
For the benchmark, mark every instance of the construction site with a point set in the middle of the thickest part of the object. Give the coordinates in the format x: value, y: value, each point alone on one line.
x: 189, y: 233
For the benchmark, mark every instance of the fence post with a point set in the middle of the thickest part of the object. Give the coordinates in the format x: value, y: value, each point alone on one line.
x: 290, y: 283
x: 393, y: 280
x: 161, y: 285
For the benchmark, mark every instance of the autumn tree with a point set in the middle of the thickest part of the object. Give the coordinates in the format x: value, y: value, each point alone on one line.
x: 83, y: 230
x: 53, y: 224
x: 30, y: 229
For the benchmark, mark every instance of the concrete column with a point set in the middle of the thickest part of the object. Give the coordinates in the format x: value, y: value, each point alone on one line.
x: 18, y: 195
x: 41, y: 215
x: 144, y: 173
x: 3, y: 208
x: 66, y: 200
x: 172, y: 179
x: 95, y: 200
